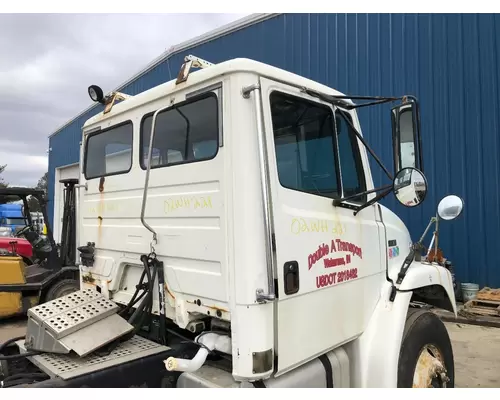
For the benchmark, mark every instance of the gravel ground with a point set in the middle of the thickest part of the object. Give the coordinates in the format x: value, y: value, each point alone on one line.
x: 477, y: 355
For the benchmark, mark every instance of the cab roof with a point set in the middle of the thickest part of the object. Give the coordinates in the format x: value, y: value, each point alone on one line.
x: 236, y: 65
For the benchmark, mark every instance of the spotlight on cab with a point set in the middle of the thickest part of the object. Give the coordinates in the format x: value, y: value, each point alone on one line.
x: 96, y: 94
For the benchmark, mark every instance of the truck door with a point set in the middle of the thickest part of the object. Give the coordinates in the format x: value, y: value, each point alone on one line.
x: 328, y: 260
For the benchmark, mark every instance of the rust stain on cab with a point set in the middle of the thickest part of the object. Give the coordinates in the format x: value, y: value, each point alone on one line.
x: 101, y: 184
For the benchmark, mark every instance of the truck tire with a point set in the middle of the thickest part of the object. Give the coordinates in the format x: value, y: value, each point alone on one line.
x: 62, y: 288
x: 426, y: 355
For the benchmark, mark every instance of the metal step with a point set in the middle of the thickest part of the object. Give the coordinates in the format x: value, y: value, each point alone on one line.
x: 70, y: 366
x: 82, y: 321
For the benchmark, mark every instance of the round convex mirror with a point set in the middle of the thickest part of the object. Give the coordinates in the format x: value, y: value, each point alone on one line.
x: 410, y: 187
x: 450, y: 207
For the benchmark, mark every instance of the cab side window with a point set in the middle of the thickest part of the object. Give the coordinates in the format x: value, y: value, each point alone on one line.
x: 185, y: 133
x: 304, y: 145
x: 317, y: 152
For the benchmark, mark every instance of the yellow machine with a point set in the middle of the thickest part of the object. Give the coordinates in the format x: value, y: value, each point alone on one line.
x: 33, y: 269
x: 13, y: 271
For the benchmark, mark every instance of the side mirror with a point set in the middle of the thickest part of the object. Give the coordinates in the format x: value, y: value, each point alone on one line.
x: 406, y: 138
x: 450, y: 207
x: 410, y: 187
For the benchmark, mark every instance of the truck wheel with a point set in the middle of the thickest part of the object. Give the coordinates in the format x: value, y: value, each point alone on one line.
x: 62, y: 288
x: 426, y: 355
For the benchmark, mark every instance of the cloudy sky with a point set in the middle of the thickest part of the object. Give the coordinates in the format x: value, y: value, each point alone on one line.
x: 47, y: 61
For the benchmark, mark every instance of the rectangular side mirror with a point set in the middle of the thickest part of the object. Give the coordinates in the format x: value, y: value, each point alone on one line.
x: 406, y: 138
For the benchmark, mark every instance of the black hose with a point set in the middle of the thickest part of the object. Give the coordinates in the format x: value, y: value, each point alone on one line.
x: 134, y: 300
x: 144, y: 302
x: 21, y: 355
x: 145, y: 313
x: 10, y: 341
x: 137, y: 300
x: 25, y: 381
x: 24, y: 375
x: 15, y: 356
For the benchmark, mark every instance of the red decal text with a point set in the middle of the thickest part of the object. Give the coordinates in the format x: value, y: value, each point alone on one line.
x: 336, y: 277
x: 335, y: 246
x: 322, y: 251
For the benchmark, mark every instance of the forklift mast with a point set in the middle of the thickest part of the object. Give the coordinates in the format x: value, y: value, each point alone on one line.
x: 68, y: 234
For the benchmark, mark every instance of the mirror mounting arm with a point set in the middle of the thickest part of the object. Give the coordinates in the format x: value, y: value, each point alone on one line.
x: 337, y: 202
x: 367, y: 146
x: 415, y: 253
x: 372, y: 201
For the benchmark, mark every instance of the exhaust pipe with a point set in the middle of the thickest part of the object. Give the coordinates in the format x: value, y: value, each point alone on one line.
x: 212, y: 341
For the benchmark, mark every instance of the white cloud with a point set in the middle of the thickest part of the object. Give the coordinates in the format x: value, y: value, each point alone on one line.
x: 48, y: 60
x: 26, y: 170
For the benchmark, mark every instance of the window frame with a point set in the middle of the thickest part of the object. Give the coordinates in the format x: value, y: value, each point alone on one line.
x: 103, y: 131
x: 189, y: 100
x: 335, y: 147
x: 353, y: 139
x: 334, y: 142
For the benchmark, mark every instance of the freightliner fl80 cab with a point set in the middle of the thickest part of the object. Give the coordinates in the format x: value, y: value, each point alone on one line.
x: 230, y: 235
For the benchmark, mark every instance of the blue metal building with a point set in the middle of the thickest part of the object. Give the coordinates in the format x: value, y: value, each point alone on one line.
x: 450, y: 62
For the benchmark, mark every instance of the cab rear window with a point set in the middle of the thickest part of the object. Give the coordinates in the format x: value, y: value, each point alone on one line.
x: 109, y: 152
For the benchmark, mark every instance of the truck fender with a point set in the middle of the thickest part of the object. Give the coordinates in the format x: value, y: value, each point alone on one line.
x: 380, y: 343
x: 431, y: 284
x: 374, y: 354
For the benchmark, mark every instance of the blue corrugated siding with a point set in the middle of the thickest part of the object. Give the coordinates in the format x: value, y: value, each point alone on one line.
x: 450, y: 62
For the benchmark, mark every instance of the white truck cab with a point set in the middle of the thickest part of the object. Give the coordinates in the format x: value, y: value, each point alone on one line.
x: 244, y: 193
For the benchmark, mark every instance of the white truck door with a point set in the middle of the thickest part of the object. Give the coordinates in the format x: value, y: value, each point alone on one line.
x: 328, y: 261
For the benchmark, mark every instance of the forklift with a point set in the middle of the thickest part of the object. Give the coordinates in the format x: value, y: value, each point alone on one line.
x: 51, y: 271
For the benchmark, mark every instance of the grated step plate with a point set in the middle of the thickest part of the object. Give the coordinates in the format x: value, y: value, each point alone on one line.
x: 73, y: 312
x: 70, y: 366
x: 82, y: 321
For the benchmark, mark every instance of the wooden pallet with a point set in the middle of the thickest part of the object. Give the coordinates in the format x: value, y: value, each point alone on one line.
x: 483, y: 307
x: 467, y: 318
x: 488, y: 294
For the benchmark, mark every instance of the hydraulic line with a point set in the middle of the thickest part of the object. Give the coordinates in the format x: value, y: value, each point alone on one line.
x: 20, y: 355
x: 15, y: 356
x: 23, y: 378
x: 25, y: 375
x: 146, y: 299
x: 10, y: 341
x: 134, y: 300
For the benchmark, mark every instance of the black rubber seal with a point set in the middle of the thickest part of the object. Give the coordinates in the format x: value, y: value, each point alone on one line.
x: 328, y: 369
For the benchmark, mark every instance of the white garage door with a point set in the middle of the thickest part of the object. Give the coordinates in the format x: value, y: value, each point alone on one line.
x: 68, y: 172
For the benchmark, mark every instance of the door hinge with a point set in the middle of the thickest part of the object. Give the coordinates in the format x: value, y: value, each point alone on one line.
x: 273, y: 241
x: 263, y: 297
